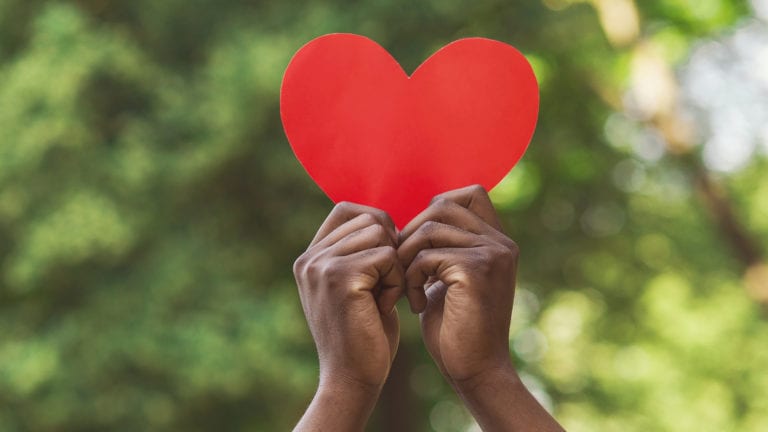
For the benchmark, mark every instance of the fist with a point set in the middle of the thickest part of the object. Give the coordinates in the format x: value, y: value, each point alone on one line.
x: 349, y: 280
x: 460, y: 277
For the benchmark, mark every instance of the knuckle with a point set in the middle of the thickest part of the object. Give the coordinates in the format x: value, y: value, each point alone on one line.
x: 513, y: 247
x: 326, y: 269
x: 505, y: 255
x: 419, y: 257
x: 385, y: 237
x: 440, y: 202
x: 441, y: 209
x: 504, y: 241
x: 380, y: 214
x: 300, y: 263
x: 429, y: 227
x: 387, y: 219
x: 441, y: 205
x: 436, y: 198
x: 343, y: 207
x: 476, y: 189
x: 313, y: 269
x: 377, y: 230
x: 382, y: 253
x: 368, y: 218
x: 390, y: 253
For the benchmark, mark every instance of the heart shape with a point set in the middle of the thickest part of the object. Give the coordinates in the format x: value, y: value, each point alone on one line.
x: 368, y: 133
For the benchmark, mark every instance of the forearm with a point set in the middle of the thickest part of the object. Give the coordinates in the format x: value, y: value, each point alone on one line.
x: 342, y: 407
x: 500, y: 402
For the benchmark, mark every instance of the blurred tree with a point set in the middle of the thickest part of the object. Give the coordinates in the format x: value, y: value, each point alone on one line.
x: 150, y: 210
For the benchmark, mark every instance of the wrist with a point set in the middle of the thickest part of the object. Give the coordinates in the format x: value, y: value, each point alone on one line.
x: 340, y: 404
x: 344, y: 386
x: 501, y: 376
x: 499, y: 401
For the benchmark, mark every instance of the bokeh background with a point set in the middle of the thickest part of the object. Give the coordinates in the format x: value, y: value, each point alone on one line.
x: 151, y: 209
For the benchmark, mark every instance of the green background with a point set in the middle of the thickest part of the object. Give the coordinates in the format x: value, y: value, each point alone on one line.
x: 151, y: 209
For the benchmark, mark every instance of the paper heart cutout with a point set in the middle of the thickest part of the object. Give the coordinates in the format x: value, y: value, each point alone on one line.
x: 368, y: 133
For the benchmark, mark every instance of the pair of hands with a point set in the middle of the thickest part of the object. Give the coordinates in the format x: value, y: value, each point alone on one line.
x: 457, y: 269
x: 358, y: 266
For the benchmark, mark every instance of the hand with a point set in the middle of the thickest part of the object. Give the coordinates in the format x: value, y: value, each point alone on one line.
x: 461, y: 277
x: 349, y: 280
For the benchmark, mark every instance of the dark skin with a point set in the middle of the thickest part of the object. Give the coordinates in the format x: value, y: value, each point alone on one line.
x: 456, y: 267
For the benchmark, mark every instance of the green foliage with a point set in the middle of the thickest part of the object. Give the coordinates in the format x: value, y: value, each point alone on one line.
x: 150, y: 210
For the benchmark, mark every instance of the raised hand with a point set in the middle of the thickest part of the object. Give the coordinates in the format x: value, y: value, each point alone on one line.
x: 457, y: 249
x: 460, y: 277
x: 349, y: 280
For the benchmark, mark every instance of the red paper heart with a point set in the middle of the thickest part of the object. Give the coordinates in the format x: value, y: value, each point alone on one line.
x: 367, y: 133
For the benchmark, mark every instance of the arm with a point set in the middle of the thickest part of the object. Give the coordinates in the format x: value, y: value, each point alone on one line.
x: 342, y: 406
x: 500, y: 402
x: 349, y: 280
x: 460, y: 278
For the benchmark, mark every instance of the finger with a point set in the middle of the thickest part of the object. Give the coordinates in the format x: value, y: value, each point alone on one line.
x: 475, y: 199
x: 391, y: 279
x: 383, y: 266
x: 432, y: 235
x: 391, y: 326
x: 370, y: 237
x: 392, y: 287
x: 346, y: 211
x: 435, y: 293
x: 450, y: 213
x: 388, y: 298
x: 355, y: 224
x: 429, y: 263
x: 432, y: 316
